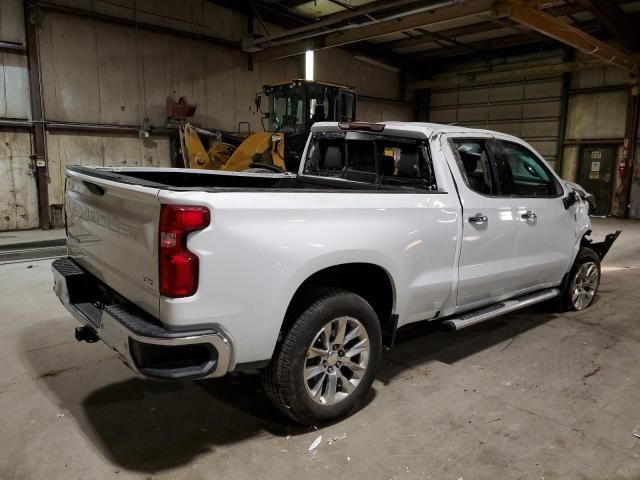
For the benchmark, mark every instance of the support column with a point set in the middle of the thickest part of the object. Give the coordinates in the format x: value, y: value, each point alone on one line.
x: 631, y: 181
x: 39, y: 155
x: 624, y: 165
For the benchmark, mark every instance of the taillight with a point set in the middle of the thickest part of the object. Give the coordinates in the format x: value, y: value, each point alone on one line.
x: 179, y: 266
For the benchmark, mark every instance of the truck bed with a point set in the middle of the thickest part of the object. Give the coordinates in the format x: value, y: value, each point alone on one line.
x: 182, y: 179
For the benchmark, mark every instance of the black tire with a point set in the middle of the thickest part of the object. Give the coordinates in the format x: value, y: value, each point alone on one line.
x: 585, y: 256
x: 283, y: 380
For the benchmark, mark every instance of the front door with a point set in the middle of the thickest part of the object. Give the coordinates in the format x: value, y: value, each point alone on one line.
x: 596, y: 175
x: 546, y: 230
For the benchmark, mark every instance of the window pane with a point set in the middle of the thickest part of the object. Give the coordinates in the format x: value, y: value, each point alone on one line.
x: 393, y: 162
x: 345, y: 102
x: 474, y: 165
x: 520, y: 172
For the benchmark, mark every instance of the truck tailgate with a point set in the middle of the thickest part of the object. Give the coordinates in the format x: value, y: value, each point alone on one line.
x: 112, y: 231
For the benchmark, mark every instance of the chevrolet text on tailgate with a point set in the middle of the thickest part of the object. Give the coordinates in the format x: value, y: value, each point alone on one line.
x: 190, y: 274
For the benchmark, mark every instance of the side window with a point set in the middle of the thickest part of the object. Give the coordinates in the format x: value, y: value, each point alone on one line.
x: 326, y: 156
x: 473, y: 161
x: 521, y: 173
x: 405, y: 164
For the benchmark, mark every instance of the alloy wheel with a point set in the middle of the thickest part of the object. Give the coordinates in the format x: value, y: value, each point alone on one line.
x: 584, y: 285
x: 336, y: 360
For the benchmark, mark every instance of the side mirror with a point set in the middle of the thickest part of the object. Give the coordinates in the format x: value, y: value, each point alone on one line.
x: 570, y: 200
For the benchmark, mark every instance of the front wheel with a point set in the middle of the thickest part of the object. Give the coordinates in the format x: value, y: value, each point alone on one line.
x: 583, y: 281
x: 327, y: 360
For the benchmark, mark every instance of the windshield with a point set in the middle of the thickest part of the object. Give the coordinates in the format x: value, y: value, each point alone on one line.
x: 371, y: 158
x: 286, y: 110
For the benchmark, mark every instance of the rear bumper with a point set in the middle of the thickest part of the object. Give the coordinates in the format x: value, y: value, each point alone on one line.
x: 139, y: 339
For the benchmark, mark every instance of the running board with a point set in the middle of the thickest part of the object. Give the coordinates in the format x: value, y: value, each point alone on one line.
x: 502, y: 308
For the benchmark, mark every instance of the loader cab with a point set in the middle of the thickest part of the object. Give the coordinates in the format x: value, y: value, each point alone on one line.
x: 293, y: 107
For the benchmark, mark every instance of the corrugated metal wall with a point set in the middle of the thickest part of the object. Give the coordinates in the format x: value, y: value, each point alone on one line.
x: 372, y: 83
x: 14, y: 82
x: 102, y: 73
x: 18, y: 195
x: 529, y: 109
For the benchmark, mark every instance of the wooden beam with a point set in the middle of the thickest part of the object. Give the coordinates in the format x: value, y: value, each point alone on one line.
x: 505, y: 75
x: 616, y: 21
x: 561, y: 31
x: 496, y: 43
x: 373, y: 30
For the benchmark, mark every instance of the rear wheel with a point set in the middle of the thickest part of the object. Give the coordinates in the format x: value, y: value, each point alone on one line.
x: 327, y: 360
x: 583, y: 281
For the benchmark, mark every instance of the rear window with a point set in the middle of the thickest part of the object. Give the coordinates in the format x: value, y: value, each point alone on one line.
x: 371, y: 158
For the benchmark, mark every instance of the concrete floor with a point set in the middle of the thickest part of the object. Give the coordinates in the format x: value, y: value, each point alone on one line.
x: 533, y: 395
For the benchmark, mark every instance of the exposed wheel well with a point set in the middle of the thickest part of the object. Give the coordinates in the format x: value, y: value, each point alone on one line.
x: 370, y: 281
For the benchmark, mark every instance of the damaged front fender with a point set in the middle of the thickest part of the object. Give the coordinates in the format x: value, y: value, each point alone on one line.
x: 601, y: 248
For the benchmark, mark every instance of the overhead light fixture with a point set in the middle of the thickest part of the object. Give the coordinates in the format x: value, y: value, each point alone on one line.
x: 376, y: 63
x: 308, y: 65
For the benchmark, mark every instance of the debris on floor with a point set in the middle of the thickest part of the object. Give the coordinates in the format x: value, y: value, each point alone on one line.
x: 315, y: 443
x: 333, y: 440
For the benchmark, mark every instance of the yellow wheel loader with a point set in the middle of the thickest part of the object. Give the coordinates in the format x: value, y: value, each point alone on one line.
x: 291, y: 109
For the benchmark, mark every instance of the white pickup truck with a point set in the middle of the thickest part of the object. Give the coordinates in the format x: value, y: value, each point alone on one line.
x: 190, y: 274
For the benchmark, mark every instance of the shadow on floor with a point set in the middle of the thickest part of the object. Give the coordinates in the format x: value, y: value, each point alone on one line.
x: 150, y: 426
x: 419, y: 344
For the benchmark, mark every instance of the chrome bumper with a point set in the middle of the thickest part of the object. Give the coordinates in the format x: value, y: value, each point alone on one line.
x: 139, y: 339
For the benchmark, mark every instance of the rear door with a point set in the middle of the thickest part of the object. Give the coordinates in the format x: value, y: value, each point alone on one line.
x: 486, y: 266
x: 112, y: 231
x: 546, y: 230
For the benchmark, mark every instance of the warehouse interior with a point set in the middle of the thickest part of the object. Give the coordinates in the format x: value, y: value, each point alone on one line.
x: 83, y: 80
x: 535, y: 394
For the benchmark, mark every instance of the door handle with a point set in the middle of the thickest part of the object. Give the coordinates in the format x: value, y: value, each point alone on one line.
x: 478, y: 219
x: 529, y: 216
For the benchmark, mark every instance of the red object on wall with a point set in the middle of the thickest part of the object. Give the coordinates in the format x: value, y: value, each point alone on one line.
x: 179, y: 110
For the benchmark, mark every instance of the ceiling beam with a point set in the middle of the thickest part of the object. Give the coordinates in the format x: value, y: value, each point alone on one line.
x: 376, y: 29
x: 498, y: 43
x: 561, y: 31
x: 326, y: 22
x: 616, y: 21
x: 452, y: 33
x: 269, y: 13
x: 293, y: 3
x: 505, y: 75
x: 484, y: 46
x: 474, y: 28
x: 291, y: 22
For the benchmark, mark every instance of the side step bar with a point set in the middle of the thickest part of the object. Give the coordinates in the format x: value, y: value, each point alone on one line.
x: 502, y: 308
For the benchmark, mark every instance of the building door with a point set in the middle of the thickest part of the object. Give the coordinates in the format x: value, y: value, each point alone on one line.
x: 596, y: 175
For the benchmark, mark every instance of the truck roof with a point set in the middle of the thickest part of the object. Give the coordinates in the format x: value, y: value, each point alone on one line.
x: 419, y: 129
